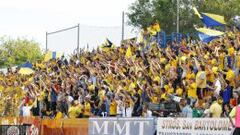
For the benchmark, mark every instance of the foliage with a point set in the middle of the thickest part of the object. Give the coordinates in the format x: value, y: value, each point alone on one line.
x: 17, y: 51
x: 143, y: 12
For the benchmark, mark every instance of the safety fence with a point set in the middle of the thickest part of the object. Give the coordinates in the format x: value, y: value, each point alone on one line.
x: 163, y: 39
x: 116, y: 126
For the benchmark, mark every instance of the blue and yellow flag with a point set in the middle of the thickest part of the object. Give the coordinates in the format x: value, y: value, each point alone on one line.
x: 26, y: 69
x: 210, y: 20
x: 27, y: 65
x: 206, y: 35
x: 107, y: 43
x: 52, y: 55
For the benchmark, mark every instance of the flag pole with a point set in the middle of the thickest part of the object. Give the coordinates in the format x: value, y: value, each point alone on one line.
x: 177, y: 16
x: 78, y: 38
x: 122, y: 25
x: 46, y: 41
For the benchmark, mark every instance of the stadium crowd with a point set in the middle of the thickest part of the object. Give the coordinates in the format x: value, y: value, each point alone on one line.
x: 201, y: 79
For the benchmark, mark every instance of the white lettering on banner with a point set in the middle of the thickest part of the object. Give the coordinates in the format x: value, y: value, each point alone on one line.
x: 141, y: 126
x: 193, y: 126
x: 98, y: 128
x: 120, y: 130
x: 121, y: 126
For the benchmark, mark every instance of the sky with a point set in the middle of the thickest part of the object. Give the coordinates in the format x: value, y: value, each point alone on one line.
x: 33, y: 18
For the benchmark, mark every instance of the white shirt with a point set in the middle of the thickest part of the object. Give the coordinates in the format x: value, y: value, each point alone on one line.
x: 129, y: 112
x: 120, y: 108
x: 26, y: 110
x: 70, y: 99
x: 207, y: 113
x: 149, y: 114
x: 218, y: 87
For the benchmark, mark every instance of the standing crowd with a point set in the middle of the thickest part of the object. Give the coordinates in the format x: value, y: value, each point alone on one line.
x: 201, y: 79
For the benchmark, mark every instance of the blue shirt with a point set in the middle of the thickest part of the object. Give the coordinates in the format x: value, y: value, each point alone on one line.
x: 53, y: 96
x: 226, y: 95
x: 187, y: 111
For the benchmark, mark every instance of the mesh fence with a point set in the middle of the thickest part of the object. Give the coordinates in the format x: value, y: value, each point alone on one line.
x: 63, y: 41
x: 66, y: 40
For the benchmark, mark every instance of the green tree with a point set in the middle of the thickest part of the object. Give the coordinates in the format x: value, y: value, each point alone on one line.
x: 143, y: 12
x: 17, y: 51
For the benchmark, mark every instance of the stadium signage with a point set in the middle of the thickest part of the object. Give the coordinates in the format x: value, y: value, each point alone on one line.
x: 193, y: 126
x: 121, y: 126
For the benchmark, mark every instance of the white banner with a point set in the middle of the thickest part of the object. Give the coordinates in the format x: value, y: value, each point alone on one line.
x: 121, y: 126
x: 193, y: 126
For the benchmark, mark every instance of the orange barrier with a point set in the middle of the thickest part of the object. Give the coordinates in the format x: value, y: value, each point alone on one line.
x: 64, y: 127
x: 49, y: 126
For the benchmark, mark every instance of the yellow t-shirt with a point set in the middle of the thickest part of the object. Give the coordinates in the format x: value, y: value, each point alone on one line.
x: 216, y: 110
x: 210, y: 76
x: 201, y: 80
x: 101, y: 93
x: 179, y: 92
x: 154, y: 99
x: 59, y: 115
x: 168, y: 89
x: 230, y: 77
x: 87, y: 109
x: 221, y: 61
x: 231, y: 51
x: 74, y: 111
x: 190, y: 75
x: 113, y: 108
x: 41, y: 96
x: 174, y: 62
x: 192, y: 90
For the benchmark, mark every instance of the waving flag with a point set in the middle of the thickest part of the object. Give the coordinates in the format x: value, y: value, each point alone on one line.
x: 210, y: 20
x: 128, y: 52
x: 26, y: 69
x: 213, y: 19
x: 107, y: 43
x: 52, y: 55
x: 27, y: 64
x: 207, y: 35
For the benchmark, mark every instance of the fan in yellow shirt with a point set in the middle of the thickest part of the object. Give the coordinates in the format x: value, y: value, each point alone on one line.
x: 192, y: 89
x: 113, y: 108
x: 230, y: 76
x: 164, y: 94
x: 201, y: 79
x: 169, y: 89
x: 75, y: 110
x: 231, y: 51
x: 87, y: 109
x: 154, y: 99
x: 221, y: 60
x: 59, y: 114
x: 190, y: 75
x: 179, y: 91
